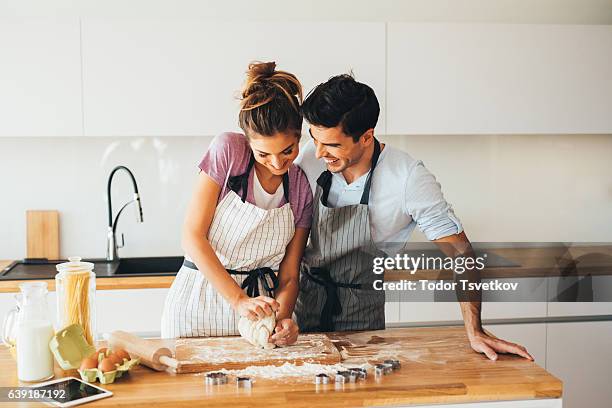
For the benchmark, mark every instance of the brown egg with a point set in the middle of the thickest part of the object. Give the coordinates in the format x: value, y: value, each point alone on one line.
x: 122, y: 354
x: 116, y: 359
x: 89, y: 362
x: 103, y: 350
x: 106, y: 365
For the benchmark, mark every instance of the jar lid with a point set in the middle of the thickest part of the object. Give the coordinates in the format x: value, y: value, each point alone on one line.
x: 74, y: 265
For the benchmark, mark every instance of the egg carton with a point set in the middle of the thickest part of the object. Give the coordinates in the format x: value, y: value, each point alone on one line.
x: 93, y: 374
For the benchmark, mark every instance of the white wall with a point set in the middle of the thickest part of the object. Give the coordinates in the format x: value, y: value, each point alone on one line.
x: 504, y: 188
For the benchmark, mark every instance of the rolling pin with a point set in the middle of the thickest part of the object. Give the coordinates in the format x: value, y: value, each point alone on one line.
x: 158, y: 358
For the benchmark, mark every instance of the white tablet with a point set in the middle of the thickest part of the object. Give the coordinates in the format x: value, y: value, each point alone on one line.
x: 69, y: 392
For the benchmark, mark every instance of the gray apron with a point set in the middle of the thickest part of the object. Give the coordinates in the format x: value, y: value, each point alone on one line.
x: 336, y: 292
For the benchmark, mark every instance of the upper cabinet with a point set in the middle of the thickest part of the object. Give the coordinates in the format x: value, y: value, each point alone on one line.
x: 40, y: 77
x: 498, y: 78
x: 182, y: 77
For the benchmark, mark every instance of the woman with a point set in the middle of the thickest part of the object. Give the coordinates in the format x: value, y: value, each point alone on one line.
x: 249, y: 216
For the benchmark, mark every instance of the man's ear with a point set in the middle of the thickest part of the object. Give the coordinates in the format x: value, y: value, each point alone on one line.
x: 367, y: 137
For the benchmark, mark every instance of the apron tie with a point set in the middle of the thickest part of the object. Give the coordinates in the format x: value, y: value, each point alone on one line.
x: 251, y: 283
x: 332, y: 306
x: 252, y: 280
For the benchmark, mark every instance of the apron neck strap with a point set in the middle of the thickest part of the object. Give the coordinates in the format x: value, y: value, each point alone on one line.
x: 325, y: 179
x: 240, y: 184
x: 365, y: 197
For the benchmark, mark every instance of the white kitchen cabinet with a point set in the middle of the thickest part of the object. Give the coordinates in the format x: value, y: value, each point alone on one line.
x: 532, y: 336
x: 134, y: 310
x: 181, y: 77
x: 40, y: 77
x: 498, y: 78
x: 579, y: 354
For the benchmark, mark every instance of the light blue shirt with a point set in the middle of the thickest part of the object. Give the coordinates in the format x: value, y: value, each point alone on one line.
x: 403, y: 195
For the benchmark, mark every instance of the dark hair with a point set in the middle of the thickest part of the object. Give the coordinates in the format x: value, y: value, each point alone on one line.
x: 270, y: 101
x: 342, y: 101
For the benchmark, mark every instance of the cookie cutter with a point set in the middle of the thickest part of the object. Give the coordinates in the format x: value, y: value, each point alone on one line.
x: 383, y: 369
x: 360, y: 373
x: 216, y: 378
x: 395, y: 364
x: 244, y: 382
x: 321, y: 379
x: 343, y: 377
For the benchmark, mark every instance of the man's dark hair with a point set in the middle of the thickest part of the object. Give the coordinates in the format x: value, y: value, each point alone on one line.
x: 342, y: 101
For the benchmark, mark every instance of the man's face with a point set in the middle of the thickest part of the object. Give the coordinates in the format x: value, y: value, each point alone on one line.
x: 336, y: 148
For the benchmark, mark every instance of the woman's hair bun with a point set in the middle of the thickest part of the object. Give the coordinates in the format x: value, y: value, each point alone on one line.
x: 260, y: 70
x: 270, y: 100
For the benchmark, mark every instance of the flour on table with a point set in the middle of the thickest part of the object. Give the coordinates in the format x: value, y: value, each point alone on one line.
x: 292, y: 372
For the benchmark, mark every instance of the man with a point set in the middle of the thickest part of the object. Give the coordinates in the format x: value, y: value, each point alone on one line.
x: 366, y: 195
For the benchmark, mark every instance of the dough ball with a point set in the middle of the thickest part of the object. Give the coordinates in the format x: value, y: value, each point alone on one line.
x: 257, y: 332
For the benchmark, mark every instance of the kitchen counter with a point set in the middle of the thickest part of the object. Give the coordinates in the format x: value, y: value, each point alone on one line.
x: 518, y: 263
x: 438, y: 366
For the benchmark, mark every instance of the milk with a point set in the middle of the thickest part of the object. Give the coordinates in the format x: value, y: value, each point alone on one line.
x: 34, y: 358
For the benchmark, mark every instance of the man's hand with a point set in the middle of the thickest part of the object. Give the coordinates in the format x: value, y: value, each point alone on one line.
x: 490, y: 346
x: 285, y: 333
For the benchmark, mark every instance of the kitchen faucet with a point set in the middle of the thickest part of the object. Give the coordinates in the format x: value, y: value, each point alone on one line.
x: 111, y: 241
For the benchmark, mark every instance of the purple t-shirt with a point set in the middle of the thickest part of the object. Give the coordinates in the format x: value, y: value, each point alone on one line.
x: 229, y: 155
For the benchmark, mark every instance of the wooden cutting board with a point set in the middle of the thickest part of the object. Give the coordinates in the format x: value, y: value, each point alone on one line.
x: 43, y: 234
x: 196, y: 355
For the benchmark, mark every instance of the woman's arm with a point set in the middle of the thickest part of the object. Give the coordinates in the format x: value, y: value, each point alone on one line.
x: 288, y: 275
x: 200, y: 213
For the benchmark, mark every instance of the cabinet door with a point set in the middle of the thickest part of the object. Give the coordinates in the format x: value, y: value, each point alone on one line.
x: 580, y: 355
x: 499, y: 78
x: 40, y: 77
x: 133, y: 310
x: 182, y: 77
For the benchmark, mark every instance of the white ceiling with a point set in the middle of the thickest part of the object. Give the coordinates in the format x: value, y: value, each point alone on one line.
x: 490, y: 11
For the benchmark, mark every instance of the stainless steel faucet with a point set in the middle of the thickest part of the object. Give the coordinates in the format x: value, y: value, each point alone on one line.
x: 111, y: 240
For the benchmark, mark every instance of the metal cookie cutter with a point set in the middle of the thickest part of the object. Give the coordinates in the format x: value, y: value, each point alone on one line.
x: 244, y: 382
x: 383, y: 369
x: 360, y: 373
x: 343, y: 377
x: 321, y: 379
x: 395, y: 364
x: 216, y: 378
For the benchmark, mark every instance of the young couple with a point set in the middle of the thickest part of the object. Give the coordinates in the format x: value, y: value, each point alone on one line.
x: 258, y: 199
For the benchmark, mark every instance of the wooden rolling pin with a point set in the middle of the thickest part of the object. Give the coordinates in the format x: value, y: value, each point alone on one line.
x: 158, y: 358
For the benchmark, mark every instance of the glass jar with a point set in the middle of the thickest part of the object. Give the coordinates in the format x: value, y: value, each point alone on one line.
x: 75, y: 286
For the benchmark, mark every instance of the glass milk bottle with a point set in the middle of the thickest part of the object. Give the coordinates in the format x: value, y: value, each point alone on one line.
x: 34, y: 331
x: 75, y: 286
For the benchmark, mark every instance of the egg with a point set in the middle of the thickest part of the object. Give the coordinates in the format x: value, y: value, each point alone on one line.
x: 103, y: 350
x: 89, y: 362
x: 122, y: 354
x: 115, y: 358
x: 106, y: 365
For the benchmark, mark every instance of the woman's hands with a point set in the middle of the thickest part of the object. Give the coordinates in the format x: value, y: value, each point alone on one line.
x: 285, y: 333
x: 256, y: 308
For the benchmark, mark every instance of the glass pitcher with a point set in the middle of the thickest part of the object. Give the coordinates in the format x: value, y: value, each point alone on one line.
x: 8, y: 328
x: 32, y: 330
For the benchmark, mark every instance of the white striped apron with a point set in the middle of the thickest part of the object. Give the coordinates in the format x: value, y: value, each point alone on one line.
x: 336, y: 292
x: 245, y: 238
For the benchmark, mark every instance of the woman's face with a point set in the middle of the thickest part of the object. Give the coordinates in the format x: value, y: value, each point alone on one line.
x: 276, y: 153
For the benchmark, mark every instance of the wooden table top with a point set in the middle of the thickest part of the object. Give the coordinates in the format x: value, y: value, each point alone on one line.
x: 533, y: 262
x: 438, y: 366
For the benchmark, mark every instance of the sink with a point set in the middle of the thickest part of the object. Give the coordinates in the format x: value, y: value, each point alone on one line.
x: 147, y: 266
x: 168, y: 265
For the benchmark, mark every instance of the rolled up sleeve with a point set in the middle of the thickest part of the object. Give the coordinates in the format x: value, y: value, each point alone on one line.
x: 425, y: 203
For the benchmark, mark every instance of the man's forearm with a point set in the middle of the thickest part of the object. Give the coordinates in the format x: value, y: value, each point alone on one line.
x: 471, y: 317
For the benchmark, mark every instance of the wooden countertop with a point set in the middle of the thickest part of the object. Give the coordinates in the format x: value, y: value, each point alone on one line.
x: 534, y: 262
x: 438, y: 366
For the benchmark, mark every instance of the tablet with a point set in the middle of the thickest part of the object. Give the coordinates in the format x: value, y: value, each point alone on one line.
x: 69, y: 392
